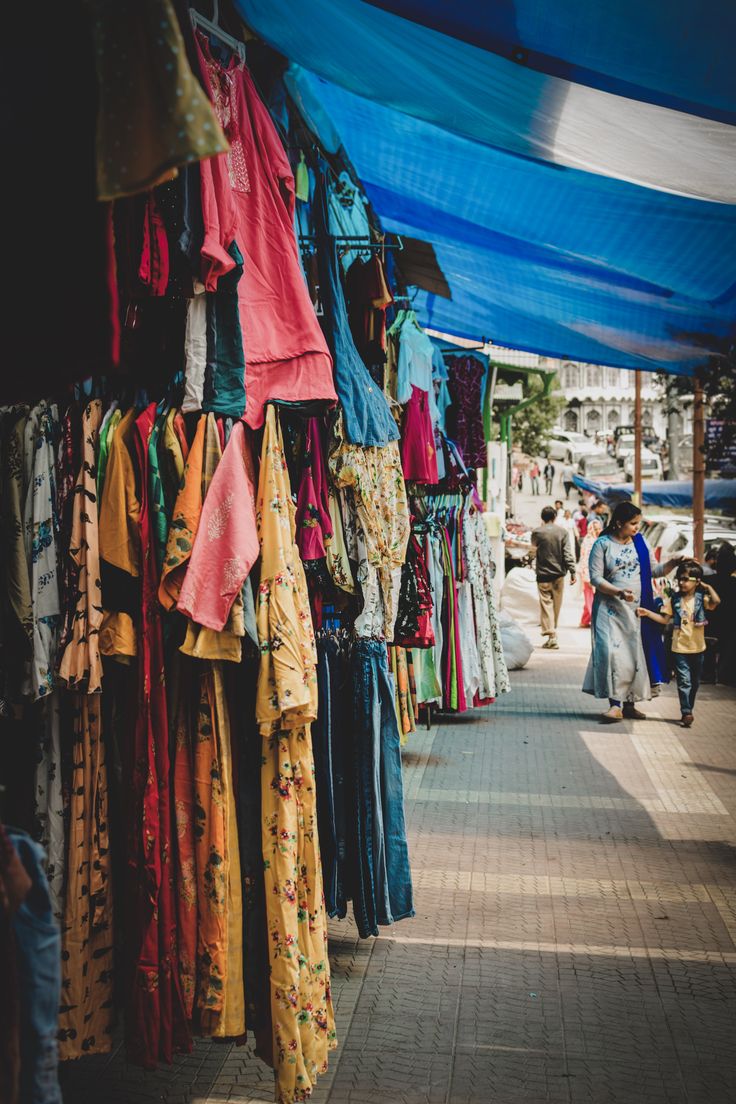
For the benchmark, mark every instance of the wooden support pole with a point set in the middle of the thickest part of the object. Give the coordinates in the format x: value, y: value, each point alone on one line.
x: 637, y: 438
x: 698, y: 469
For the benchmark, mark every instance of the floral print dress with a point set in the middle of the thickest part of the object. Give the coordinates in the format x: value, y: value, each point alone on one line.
x: 301, y: 1004
x: 480, y: 569
x: 376, y: 525
x: 617, y: 668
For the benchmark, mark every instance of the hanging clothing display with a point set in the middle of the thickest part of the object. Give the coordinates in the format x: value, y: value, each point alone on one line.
x: 234, y: 576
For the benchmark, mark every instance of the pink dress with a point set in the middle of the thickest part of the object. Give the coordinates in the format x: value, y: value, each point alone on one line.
x: 285, y: 351
x: 226, y: 545
x: 418, y: 452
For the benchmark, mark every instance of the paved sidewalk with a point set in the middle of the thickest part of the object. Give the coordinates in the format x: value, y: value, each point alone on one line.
x: 575, y: 936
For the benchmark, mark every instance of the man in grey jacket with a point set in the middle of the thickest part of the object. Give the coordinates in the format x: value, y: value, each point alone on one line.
x: 553, y: 560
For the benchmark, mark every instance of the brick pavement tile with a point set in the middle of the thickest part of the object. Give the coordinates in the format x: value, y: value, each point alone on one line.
x: 371, y: 1074
x: 482, y: 1076
x: 613, y: 1082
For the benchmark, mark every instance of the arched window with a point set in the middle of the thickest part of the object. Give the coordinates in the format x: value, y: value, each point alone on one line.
x: 647, y: 417
x: 593, y: 377
x: 570, y: 420
x: 570, y: 376
x: 593, y: 420
x: 613, y: 377
x: 613, y: 418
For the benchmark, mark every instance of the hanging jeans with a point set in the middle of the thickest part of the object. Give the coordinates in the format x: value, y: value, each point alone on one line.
x: 383, y: 892
x: 328, y: 744
x: 38, y: 945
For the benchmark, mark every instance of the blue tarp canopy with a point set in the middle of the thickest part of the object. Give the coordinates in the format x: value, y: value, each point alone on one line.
x: 572, y: 167
x: 720, y: 494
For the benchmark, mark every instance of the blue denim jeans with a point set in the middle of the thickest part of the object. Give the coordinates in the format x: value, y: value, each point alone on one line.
x: 328, y: 742
x: 38, y: 946
x: 688, y: 672
x: 383, y: 889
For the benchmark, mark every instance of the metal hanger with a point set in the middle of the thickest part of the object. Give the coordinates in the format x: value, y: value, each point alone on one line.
x: 212, y: 27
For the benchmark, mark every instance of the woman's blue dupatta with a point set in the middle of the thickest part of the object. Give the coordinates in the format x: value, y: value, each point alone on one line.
x: 651, y: 634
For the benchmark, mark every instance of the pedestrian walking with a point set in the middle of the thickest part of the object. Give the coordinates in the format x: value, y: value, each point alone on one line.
x: 549, y: 475
x: 553, y: 560
x: 568, y: 471
x: 723, y: 623
x: 534, y: 476
x: 594, y: 531
x: 601, y: 511
x: 627, y: 654
x: 568, y: 524
x: 581, y: 520
x: 686, y: 608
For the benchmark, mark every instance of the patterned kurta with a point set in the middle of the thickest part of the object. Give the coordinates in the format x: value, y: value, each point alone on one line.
x: 301, y: 1005
x: 81, y: 665
x: 85, y: 1020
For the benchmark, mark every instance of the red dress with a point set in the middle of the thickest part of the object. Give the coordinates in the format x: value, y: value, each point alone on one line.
x: 286, y: 355
x: 156, y: 1023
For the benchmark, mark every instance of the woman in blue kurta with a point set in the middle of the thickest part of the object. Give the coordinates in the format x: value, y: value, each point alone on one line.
x: 624, y: 662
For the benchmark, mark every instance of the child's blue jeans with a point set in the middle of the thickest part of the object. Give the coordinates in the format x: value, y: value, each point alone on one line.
x: 688, y: 670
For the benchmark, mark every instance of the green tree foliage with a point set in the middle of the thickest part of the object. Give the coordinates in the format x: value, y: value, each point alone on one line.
x: 532, y: 425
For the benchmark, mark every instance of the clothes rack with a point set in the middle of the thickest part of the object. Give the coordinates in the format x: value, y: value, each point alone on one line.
x: 212, y: 27
x: 356, y: 239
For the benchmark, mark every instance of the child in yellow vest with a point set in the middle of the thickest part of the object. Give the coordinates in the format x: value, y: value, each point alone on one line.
x: 686, y: 609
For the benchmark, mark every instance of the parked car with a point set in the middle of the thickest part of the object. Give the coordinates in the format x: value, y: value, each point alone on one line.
x: 651, y: 465
x: 602, y: 469
x: 668, y: 534
x: 648, y: 436
x: 568, y: 447
x: 625, y: 444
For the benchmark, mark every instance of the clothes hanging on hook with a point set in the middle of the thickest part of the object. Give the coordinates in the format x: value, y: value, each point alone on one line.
x: 287, y: 357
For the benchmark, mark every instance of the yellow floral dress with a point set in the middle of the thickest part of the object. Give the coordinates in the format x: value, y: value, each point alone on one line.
x: 301, y: 1005
x: 377, y: 533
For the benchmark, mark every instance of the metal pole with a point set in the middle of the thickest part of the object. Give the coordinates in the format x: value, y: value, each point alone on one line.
x: 637, y: 438
x: 698, y: 469
x: 674, y: 428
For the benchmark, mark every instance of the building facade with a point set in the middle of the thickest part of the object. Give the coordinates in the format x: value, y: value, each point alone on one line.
x: 598, y: 399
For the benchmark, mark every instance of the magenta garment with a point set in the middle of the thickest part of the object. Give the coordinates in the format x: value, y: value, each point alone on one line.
x: 313, y: 521
x: 465, y: 416
x: 418, y: 453
x: 226, y: 545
